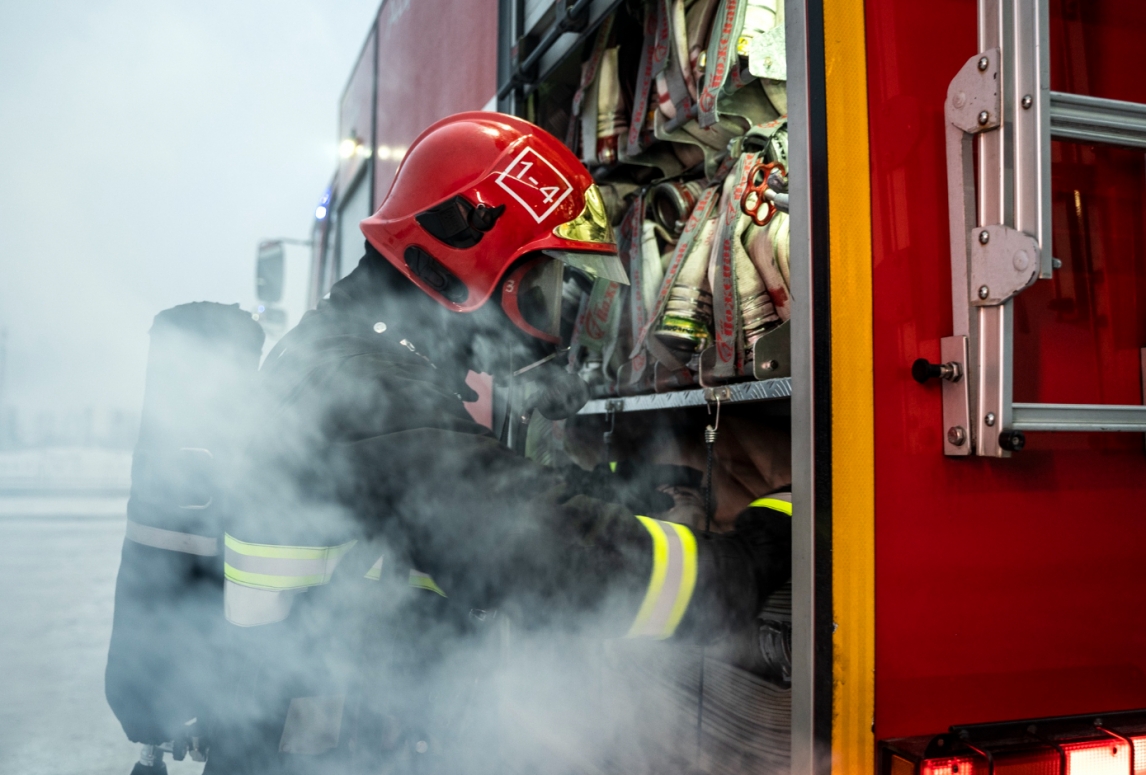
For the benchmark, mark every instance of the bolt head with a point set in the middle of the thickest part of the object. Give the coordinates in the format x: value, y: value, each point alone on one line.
x: 984, y: 117
x: 984, y: 63
x: 1021, y: 260
x: 990, y: 419
x: 421, y: 746
x: 960, y: 99
x: 956, y: 436
x: 984, y: 292
x: 379, y: 327
x: 984, y: 237
x: 1027, y: 102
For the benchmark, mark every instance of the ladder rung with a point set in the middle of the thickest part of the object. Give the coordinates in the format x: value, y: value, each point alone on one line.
x: 1095, y: 120
x: 1078, y: 417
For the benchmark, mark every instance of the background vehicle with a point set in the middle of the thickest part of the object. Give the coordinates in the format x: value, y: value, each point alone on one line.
x: 948, y: 571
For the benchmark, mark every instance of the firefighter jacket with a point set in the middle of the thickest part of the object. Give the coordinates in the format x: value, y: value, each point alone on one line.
x: 366, y: 473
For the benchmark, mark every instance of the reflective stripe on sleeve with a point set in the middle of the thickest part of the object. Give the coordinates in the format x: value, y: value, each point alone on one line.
x: 375, y: 572
x: 173, y: 541
x: 424, y: 581
x: 672, y: 581
x: 777, y: 502
x: 252, y: 607
x: 266, y: 566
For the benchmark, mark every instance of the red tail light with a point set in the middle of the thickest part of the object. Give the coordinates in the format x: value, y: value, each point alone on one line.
x: 957, y: 765
x: 1113, y: 744
x: 1100, y: 757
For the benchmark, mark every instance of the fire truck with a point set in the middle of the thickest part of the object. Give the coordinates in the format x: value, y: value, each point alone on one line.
x: 950, y: 197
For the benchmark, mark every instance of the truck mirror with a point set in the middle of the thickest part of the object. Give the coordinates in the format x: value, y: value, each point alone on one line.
x: 269, y: 274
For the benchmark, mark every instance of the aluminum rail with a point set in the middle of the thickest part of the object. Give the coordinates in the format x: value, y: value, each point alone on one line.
x: 1085, y: 119
x: 741, y: 392
x: 569, y: 17
x: 1078, y: 417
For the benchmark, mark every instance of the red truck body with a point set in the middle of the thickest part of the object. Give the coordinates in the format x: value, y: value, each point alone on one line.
x: 973, y: 589
x: 1006, y: 588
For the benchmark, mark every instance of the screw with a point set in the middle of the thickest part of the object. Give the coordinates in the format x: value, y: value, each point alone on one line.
x: 1027, y: 102
x: 421, y: 746
x: 984, y: 117
x: 984, y: 292
x: 956, y: 436
x: 984, y: 237
x: 990, y: 419
x: 379, y: 327
x: 1056, y: 263
x: 983, y: 63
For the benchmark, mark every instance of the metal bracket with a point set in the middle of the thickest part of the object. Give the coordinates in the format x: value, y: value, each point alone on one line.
x: 958, y: 437
x: 772, y: 353
x: 1004, y: 262
x: 714, y: 394
x: 974, y: 103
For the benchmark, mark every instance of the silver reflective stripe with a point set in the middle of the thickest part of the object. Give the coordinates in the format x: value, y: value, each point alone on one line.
x: 674, y: 571
x: 313, y: 725
x: 251, y: 607
x: 157, y: 537
x: 279, y: 566
x: 672, y: 581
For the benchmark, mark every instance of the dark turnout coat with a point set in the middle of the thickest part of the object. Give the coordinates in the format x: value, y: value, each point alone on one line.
x: 363, y: 446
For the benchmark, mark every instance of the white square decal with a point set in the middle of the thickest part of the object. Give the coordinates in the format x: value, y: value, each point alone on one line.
x: 535, y: 184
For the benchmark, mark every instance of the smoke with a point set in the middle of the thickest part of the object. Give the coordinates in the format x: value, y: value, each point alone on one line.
x: 146, y: 149
x: 512, y: 657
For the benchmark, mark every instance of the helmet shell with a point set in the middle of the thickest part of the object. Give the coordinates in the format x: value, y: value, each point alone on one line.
x: 491, y: 160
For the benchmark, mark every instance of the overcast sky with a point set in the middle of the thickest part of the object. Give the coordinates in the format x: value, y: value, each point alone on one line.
x: 145, y: 148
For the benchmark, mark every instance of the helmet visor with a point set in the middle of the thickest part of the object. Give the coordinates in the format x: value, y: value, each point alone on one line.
x: 532, y: 293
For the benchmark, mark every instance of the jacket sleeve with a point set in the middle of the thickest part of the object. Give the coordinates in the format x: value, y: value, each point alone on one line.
x: 381, y: 435
x: 488, y: 524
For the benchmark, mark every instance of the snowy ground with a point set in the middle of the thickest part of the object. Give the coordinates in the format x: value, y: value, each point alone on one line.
x: 58, y: 560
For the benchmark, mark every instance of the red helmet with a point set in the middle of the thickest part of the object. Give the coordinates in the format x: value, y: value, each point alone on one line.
x: 475, y: 193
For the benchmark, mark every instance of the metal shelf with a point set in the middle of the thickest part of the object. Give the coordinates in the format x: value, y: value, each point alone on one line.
x: 742, y: 392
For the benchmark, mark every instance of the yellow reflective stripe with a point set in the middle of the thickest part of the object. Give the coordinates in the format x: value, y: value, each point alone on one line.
x: 671, y: 583
x: 267, y: 581
x: 688, y: 578
x: 421, y: 580
x: 284, y: 552
x: 375, y: 572
x: 656, y: 582
x: 772, y: 503
x: 311, y: 565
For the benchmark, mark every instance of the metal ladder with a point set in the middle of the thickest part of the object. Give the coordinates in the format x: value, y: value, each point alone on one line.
x: 1001, y: 225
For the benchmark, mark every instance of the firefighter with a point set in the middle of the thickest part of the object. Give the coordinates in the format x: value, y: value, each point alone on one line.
x: 375, y: 522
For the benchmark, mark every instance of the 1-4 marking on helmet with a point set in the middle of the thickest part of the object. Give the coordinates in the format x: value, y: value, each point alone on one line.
x: 535, y: 184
